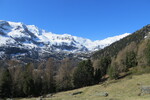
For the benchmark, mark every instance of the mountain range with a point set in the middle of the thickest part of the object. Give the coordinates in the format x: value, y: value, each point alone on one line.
x: 18, y: 40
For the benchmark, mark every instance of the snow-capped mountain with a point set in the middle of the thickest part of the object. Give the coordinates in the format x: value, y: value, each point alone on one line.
x: 20, y: 39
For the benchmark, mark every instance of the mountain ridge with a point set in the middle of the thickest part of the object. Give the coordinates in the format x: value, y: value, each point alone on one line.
x: 34, y: 39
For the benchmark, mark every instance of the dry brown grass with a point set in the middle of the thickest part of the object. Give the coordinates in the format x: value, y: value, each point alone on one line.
x: 123, y: 89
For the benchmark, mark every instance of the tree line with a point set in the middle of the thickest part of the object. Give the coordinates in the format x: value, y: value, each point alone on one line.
x: 35, y: 80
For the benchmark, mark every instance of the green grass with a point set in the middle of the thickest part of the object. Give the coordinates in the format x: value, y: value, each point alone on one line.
x: 122, y: 89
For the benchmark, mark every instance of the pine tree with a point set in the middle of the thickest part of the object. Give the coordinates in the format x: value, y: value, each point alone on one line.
x: 113, y: 71
x: 131, y: 59
x: 28, y: 83
x: 104, y: 64
x: 84, y: 74
x: 6, y: 84
x: 37, y: 84
x: 97, y: 75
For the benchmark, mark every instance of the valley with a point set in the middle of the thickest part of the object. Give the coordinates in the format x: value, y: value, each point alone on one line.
x: 74, y: 50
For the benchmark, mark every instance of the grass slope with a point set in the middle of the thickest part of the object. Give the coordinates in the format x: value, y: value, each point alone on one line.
x: 122, y: 89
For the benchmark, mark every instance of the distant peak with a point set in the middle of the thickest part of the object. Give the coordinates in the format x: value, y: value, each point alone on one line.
x: 31, y: 35
x: 15, y: 23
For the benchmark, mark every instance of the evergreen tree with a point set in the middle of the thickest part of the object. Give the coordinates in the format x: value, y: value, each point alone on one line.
x: 97, y: 75
x: 113, y: 71
x: 38, y: 85
x: 28, y: 83
x: 84, y: 74
x: 104, y: 64
x: 6, y: 84
x: 131, y: 60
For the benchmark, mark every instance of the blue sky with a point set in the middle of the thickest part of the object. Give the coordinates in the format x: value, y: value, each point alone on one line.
x: 93, y: 19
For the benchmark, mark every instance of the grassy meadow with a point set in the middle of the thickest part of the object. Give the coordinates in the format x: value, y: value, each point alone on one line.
x: 127, y: 88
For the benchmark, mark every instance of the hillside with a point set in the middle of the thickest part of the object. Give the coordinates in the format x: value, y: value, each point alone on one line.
x: 115, y: 47
x: 122, y: 89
